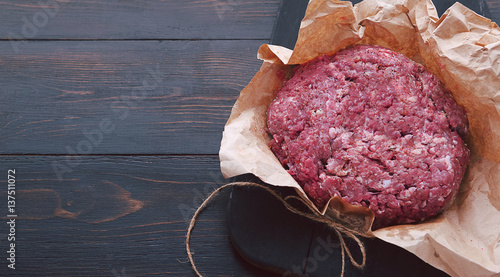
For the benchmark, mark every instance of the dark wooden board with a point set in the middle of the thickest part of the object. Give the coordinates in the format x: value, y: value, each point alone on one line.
x: 55, y: 93
x: 134, y: 19
x: 289, y: 244
x: 118, y: 214
x: 287, y: 23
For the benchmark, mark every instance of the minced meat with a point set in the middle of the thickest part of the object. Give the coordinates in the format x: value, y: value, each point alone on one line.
x: 373, y: 127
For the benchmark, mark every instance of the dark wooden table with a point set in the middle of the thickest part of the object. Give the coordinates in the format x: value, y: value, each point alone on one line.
x: 111, y: 116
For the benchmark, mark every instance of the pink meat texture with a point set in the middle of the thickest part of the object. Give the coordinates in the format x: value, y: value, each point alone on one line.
x: 375, y: 128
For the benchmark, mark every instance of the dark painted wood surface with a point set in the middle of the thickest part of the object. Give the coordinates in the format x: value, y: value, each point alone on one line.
x: 268, y: 244
x: 100, y: 100
x: 111, y: 113
x: 118, y: 216
x: 160, y: 97
x: 134, y: 19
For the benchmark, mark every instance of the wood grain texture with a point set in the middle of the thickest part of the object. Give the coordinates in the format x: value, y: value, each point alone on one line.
x: 121, y: 97
x: 494, y: 9
x: 135, y: 19
x: 102, y: 240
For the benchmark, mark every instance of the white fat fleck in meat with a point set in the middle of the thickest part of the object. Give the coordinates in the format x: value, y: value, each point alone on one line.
x: 412, y: 99
x: 386, y: 183
x: 334, y: 132
x: 346, y: 136
x: 447, y: 161
x: 417, y: 151
x: 439, y: 140
x: 427, y: 138
x: 318, y: 111
x: 367, y: 135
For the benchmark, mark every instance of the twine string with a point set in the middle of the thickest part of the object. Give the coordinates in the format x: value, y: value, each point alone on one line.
x: 313, y: 214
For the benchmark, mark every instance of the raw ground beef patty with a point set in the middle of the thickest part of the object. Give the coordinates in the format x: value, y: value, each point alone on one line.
x: 373, y: 127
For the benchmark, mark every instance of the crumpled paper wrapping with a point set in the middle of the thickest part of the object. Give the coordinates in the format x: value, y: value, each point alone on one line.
x: 463, y: 50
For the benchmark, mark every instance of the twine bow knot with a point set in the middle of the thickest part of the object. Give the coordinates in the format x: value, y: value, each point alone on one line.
x: 313, y: 214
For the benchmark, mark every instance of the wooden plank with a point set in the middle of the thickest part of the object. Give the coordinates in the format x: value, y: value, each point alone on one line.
x: 121, y: 97
x: 494, y: 9
x: 133, y: 19
x: 117, y: 216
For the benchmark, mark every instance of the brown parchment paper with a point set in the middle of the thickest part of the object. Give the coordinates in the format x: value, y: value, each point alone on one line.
x: 463, y: 50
